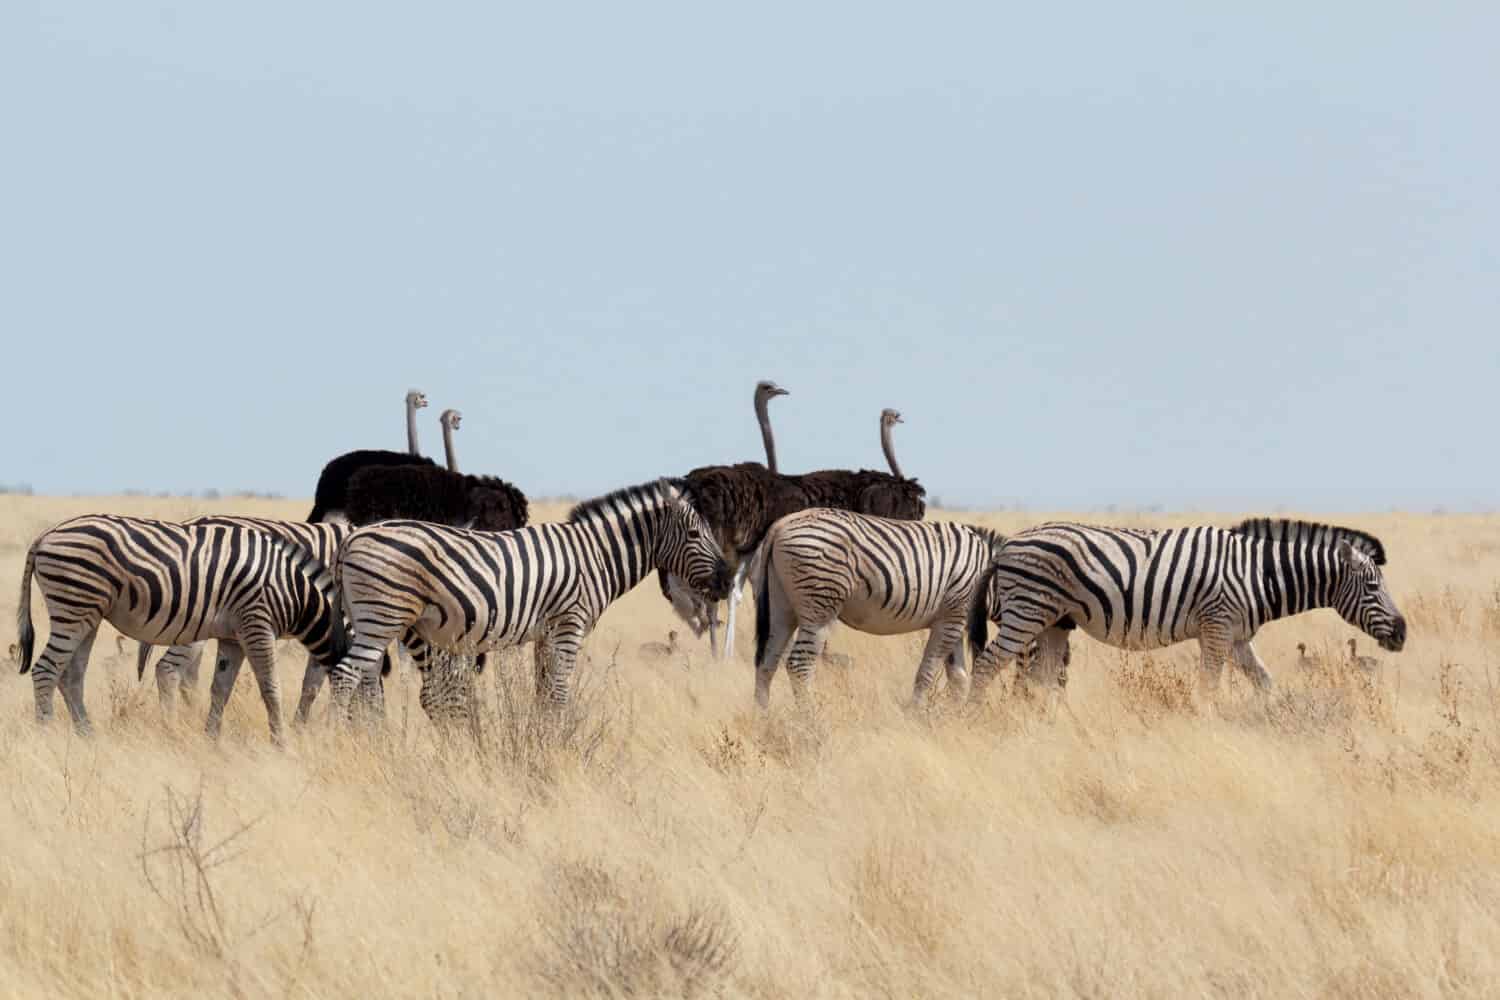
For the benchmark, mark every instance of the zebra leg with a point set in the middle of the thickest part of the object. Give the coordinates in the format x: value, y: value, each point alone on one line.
x: 712, y: 615
x: 313, y: 676
x: 56, y: 657
x: 367, y: 646
x: 260, y: 646
x: 447, y: 691
x: 783, y: 620
x: 226, y: 670
x: 541, y: 652
x: 1213, y: 645
x: 187, y: 682
x: 802, y: 661
x: 175, y: 664
x: 567, y: 636
x: 943, y: 640
x: 1047, y: 664
x: 958, y: 675
x: 72, y: 683
x: 741, y: 575
x: 1250, y: 664
x: 1022, y: 621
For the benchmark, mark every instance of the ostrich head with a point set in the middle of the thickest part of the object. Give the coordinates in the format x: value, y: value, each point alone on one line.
x: 1302, y: 648
x: 450, y: 419
x: 416, y: 399
x: 889, y: 417
x: 767, y: 390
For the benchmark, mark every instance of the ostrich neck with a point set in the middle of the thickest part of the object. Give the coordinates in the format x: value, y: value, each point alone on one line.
x: 889, y: 449
x: 764, y: 417
x: 448, y: 447
x: 411, y: 430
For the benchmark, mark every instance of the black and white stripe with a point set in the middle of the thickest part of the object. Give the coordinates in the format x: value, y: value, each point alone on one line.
x: 469, y: 591
x: 173, y: 584
x: 874, y: 574
x: 1139, y: 589
x: 177, y: 669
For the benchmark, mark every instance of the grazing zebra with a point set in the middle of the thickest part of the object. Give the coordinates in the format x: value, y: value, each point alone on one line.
x: 1138, y: 589
x: 469, y: 591
x: 877, y: 575
x: 177, y: 670
x: 172, y: 584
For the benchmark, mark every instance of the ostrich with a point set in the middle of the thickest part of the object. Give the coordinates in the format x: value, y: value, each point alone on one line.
x: 765, y: 392
x: 888, y: 419
x: 697, y: 613
x: 450, y: 419
x: 1304, y: 661
x: 430, y: 493
x: 333, y: 484
x: 741, y: 502
x: 1369, y: 664
x: 661, y: 650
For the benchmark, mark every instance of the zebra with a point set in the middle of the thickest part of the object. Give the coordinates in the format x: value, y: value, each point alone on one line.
x: 172, y: 584
x: 177, y: 669
x: 468, y: 591
x: 1144, y: 589
x: 875, y: 574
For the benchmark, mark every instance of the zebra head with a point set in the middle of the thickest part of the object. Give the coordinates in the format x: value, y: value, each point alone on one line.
x: 1360, y: 597
x: 686, y: 547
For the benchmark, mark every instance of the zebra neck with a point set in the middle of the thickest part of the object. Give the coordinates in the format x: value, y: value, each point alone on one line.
x: 624, y: 541
x: 1294, y: 578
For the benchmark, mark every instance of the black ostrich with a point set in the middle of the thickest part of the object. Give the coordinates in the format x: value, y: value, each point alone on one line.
x: 333, y: 484
x: 430, y: 493
x: 741, y: 502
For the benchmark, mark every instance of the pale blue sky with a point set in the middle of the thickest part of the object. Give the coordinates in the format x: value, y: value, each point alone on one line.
x: 1096, y: 255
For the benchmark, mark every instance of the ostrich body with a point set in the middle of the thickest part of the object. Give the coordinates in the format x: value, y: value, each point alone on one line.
x: 450, y: 419
x: 741, y: 502
x: 429, y: 493
x: 332, y: 492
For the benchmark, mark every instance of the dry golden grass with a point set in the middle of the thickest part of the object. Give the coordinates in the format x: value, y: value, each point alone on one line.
x: 1341, y: 838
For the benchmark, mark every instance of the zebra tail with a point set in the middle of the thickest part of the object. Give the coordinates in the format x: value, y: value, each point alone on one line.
x: 27, y: 635
x: 141, y: 657
x: 763, y: 606
x: 979, y: 614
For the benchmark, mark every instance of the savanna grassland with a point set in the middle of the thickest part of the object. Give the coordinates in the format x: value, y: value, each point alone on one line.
x: 1339, y: 838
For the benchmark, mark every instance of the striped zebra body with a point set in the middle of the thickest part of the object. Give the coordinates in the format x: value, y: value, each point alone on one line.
x: 469, y: 592
x: 177, y: 669
x: 877, y: 575
x: 173, y: 585
x: 1139, y: 589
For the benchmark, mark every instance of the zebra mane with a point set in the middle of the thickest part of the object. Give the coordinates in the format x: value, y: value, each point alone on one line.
x: 1277, y: 529
x: 991, y: 537
x: 645, y: 494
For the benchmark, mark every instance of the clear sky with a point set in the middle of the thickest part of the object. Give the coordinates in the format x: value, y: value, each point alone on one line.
x: 1097, y: 254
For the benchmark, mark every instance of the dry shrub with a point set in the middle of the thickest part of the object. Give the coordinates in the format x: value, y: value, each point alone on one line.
x: 1151, y: 689
x: 604, y: 938
x: 1492, y: 612
x: 535, y: 741
x: 1448, y: 752
x: 181, y: 866
x: 729, y: 753
x: 796, y: 738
